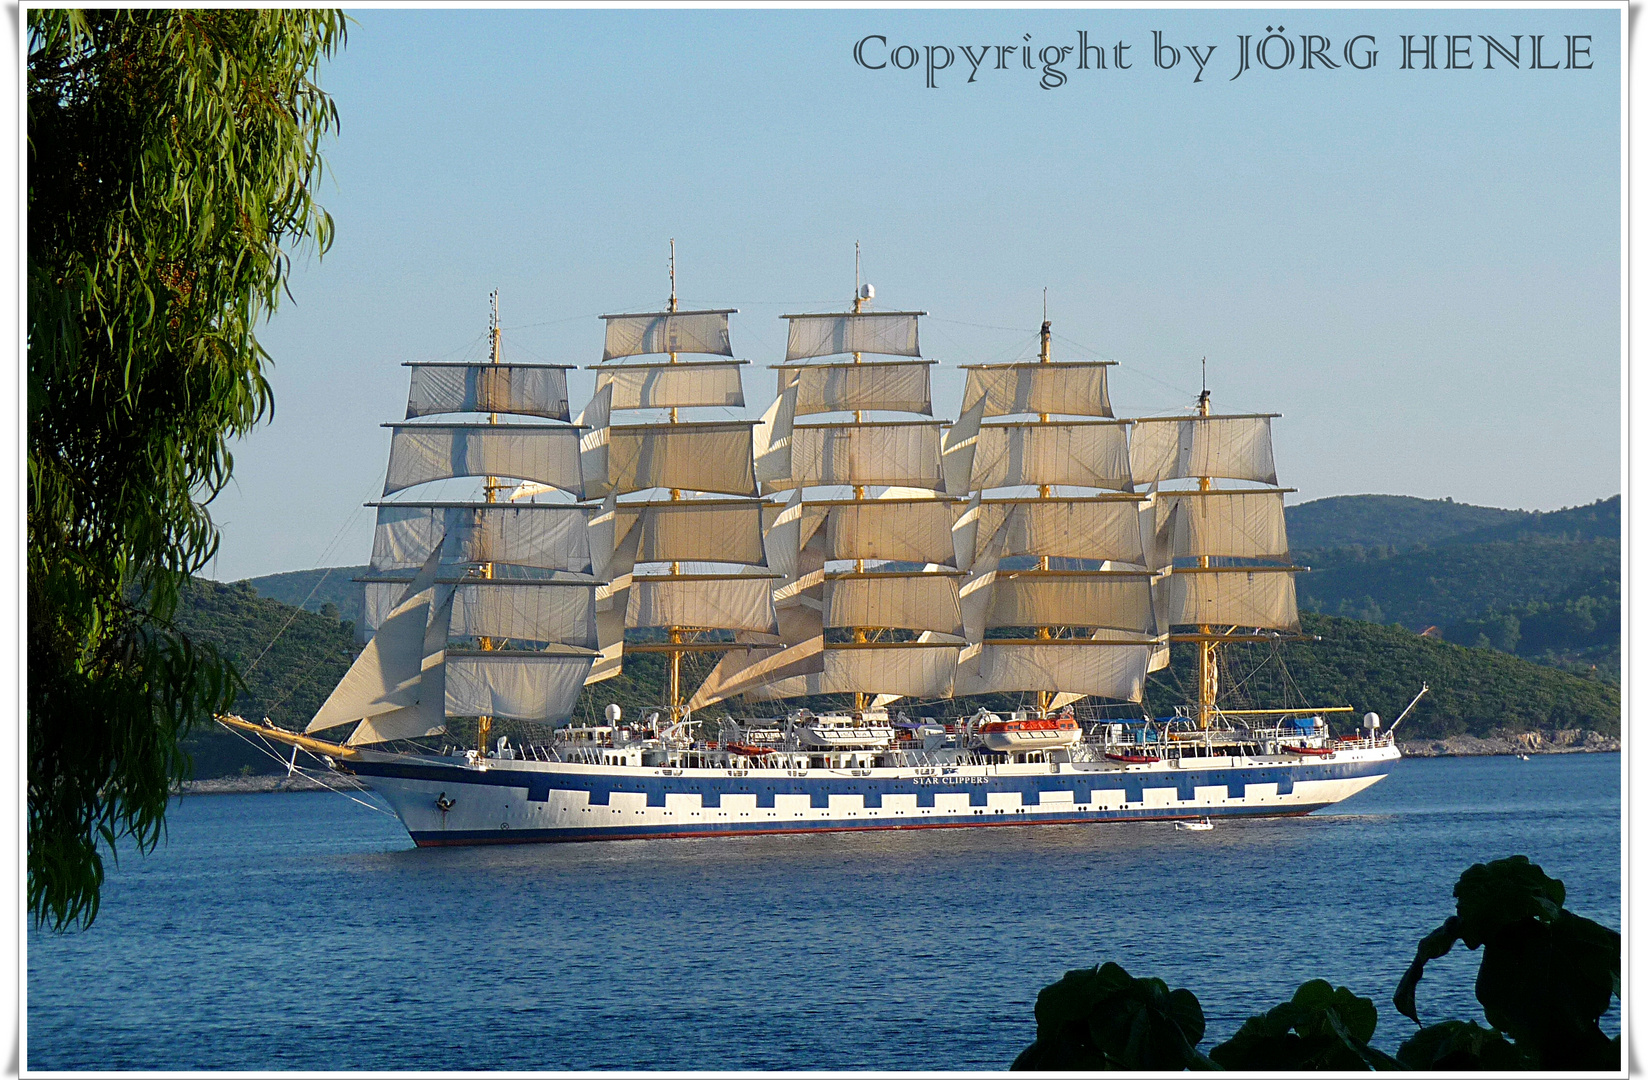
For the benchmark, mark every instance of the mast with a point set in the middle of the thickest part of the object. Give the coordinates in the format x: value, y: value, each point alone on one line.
x: 692, y: 563
x: 1044, y: 491
x: 879, y: 611
x: 481, y: 608
x: 1069, y: 562
x: 1229, y: 572
x: 861, y: 493
x: 1207, y: 668
x: 483, y: 724
x: 860, y: 635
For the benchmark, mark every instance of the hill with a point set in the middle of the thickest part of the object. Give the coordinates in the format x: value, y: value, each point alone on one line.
x: 1545, y: 586
x: 312, y: 590
x: 286, y: 681
x: 1597, y: 521
x: 1399, y: 521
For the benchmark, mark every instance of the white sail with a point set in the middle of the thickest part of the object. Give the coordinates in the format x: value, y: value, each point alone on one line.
x: 547, y: 535
x: 715, y: 457
x: 409, y: 723
x: 428, y: 716
x: 770, y: 440
x: 895, y: 386
x: 889, y: 333
x: 419, y: 453
x: 525, y: 611
x: 703, y: 602
x: 960, y: 447
x: 905, y: 530
x: 595, y: 422
x: 539, y: 686
x: 378, y: 599
x: 1233, y: 447
x: 1071, y: 389
x: 386, y: 674
x: 1064, y: 598
x: 668, y: 332
x: 696, y: 530
x: 1071, y: 529
x: 1232, y: 597
x: 524, y: 389
x: 1076, y: 453
x: 964, y: 534
x: 909, y: 601
x: 669, y: 386
x: 746, y: 671
x: 609, y: 625
x: 891, y: 453
x: 921, y: 671
x: 1222, y: 524
x: 1102, y: 669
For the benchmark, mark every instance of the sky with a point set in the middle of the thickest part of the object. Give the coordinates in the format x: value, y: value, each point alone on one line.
x: 1420, y: 269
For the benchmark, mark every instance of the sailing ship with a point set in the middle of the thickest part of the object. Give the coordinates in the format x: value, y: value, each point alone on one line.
x: 845, y: 547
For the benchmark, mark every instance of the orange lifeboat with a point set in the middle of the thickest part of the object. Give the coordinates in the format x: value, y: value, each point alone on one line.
x: 1031, y: 733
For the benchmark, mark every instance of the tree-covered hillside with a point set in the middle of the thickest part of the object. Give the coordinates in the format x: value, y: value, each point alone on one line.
x: 289, y: 659
x: 1379, y: 669
x: 1399, y: 521
x: 314, y: 589
x: 1544, y: 586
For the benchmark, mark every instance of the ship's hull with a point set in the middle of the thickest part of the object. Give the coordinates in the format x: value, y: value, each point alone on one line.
x: 444, y: 802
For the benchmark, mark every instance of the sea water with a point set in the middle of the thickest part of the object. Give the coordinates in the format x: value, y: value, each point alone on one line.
x: 306, y: 932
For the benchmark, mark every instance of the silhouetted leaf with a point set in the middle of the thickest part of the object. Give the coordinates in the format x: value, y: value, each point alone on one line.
x: 1457, y: 1044
x: 1494, y: 895
x: 1106, y: 1019
x: 1322, y: 1027
x: 1435, y: 944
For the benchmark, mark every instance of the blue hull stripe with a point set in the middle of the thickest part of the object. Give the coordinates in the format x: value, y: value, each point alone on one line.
x: 710, y: 789
x: 656, y: 832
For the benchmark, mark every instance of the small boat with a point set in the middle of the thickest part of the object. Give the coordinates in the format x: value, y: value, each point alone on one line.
x: 1524, y: 757
x: 1133, y: 759
x: 1194, y: 826
x: 1312, y: 751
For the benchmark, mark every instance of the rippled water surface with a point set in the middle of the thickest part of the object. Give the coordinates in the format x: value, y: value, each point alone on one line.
x: 305, y: 932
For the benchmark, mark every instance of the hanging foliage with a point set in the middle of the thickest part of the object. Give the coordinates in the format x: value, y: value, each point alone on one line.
x: 173, y: 157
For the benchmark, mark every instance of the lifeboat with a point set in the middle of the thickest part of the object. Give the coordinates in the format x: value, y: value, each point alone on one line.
x: 749, y: 749
x: 1133, y: 759
x: 1310, y: 751
x: 1031, y: 733
x: 846, y: 733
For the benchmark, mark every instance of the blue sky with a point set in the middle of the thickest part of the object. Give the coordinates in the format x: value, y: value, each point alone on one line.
x: 1420, y: 269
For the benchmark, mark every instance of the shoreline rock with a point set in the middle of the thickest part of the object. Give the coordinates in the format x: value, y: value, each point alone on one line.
x: 1520, y: 742
x: 262, y: 785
